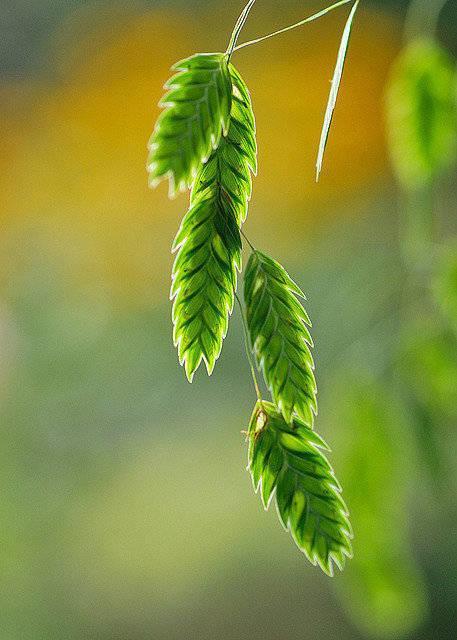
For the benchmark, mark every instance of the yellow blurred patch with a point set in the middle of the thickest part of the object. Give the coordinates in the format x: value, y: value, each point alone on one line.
x: 75, y: 156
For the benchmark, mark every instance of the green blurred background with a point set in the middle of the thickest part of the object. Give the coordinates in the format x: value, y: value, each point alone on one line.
x: 126, y: 510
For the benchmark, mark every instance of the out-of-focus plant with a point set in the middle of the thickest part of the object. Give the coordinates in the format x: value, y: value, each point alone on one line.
x: 422, y: 114
x: 422, y: 127
x: 383, y: 588
x: 445, y: 285
x: 205, y: 140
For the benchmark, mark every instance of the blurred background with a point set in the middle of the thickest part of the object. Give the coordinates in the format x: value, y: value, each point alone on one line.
x: 126, y: 510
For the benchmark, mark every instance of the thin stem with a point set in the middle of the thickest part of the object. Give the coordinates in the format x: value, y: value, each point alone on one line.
x: 238, y: 27
x: 248, y: 350
x: 293, y: 26
x: 247, y: 240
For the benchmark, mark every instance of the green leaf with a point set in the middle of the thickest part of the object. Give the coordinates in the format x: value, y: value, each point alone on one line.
x: 422, y: 113
x: 209, y: 243
x: 280, y: 339
x: 196, y: 113
x: 285, y: 460
x: 336, y: 81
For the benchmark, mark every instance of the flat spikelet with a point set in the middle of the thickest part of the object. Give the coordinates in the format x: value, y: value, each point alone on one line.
x: 204, y: 282
x: 280, y: 338
x: 209, y: 243
x: 205, y: 140
x: 230, y: 165
x: 196, y: 113
x: 422, y: 113
x: 285, y: 461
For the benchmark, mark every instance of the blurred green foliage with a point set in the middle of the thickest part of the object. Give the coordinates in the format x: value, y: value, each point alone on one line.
x: 422, y: 113
x: 445, y: 284
x: 382, y: 587
x: 402, y: 422
x: 429, y: 363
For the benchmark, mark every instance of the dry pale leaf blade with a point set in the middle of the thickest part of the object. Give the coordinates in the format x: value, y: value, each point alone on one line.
x: 336, y: 81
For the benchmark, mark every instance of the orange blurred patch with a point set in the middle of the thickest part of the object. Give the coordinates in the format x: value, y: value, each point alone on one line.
x: 78, y: 156
x: 290, y: 89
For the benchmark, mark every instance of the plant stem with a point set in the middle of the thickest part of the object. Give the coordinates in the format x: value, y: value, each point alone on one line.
x: 238, y: 27
x: 292, y: 26
x: 247, y: 240
x: 248, y: 350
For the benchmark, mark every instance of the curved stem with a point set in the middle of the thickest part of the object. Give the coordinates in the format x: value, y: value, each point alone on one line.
x: 248, y: 350
x: 238, y: 27
x: 315, y: 16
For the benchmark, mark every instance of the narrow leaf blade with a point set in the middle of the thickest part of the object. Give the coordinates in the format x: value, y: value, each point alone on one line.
x: 336, y: 81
